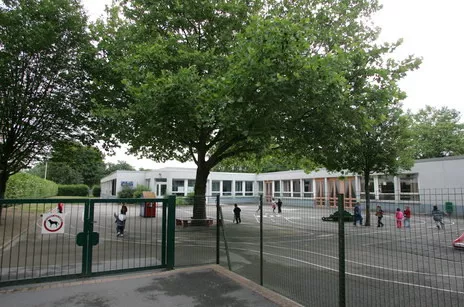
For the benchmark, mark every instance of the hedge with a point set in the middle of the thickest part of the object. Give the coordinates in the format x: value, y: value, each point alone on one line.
x: 96, y: 191
x: 23, y: 185
x: 73, y: 190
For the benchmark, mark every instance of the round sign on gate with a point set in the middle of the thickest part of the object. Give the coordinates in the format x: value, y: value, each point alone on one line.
x: 53, y: 223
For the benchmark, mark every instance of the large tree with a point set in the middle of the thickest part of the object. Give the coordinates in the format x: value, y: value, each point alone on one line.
x: 437, y: 132
x: 58, y: 172
x: 209, y: 80
x: 43, y: 45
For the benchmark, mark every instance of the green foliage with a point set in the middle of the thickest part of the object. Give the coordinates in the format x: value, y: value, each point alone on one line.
x: 73, y: 190
x: 96, y: 191
x: 59, y: 172
x: 23, y: 185
x: 87, y: 161
x: 437, y: 132
x: 43, y: 81
x: 126, y: 193
x: 120, y: 166
x: 139, y: 190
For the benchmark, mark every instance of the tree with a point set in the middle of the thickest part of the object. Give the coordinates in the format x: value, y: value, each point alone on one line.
x: 58, y: 172
x: 367, y: 131
x: 210, y: 80
x: 121, y: 165
x: 43, y: 47
x: 86, y: 160
x: 437, y: 132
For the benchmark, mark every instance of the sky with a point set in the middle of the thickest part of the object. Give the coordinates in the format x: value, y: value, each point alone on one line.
x: 430, y: 29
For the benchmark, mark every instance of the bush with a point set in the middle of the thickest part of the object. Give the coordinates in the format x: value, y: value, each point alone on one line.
x: 96, y: 191
x: 73, y: 190
x: 139, y: 191
x: 126, y: 193
x: 23, y: 185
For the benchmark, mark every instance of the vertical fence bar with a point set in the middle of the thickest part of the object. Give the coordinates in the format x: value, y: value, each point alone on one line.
x: 261, y: 260
x: 171, y: 231
x: 163, y: 234
x: 85, y: 247
x: 341, y: 253
x: 218, y: 223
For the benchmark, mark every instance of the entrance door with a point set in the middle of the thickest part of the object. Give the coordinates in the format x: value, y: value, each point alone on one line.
x: 320, y: 192
x: 161, y: 189
x: 336, y: 186
x: 268, y: 191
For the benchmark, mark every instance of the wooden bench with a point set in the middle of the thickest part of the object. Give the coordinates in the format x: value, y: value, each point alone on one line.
x: 188, y: 221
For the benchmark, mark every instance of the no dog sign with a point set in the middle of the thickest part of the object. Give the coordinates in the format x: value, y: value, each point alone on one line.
x: 52, y: 223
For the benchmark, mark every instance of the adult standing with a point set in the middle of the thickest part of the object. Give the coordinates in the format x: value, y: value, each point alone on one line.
x: 357, y: 215
x: 279, y: 206
x: 407, y: 217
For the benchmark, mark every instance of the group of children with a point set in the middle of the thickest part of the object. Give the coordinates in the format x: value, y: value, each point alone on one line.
x: 405, y: 216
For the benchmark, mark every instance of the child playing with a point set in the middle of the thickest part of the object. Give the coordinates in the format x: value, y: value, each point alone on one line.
x: 120, y: 223
x: 438, y: 217
x: 399, y: 217
x: 274, y: 205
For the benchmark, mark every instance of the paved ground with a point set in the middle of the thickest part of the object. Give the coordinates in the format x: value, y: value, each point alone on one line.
x: 384, y: 266
x: 198, y: 286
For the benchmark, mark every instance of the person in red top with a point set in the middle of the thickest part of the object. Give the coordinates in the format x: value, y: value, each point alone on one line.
x: 60, y: 207
x: 407, y: 217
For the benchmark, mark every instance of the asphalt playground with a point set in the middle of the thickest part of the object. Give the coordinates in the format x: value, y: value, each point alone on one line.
x: 384, y: 266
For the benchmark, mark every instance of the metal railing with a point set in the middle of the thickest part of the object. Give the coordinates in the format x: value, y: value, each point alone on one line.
x: 39, y: 243
x: 330, y: 263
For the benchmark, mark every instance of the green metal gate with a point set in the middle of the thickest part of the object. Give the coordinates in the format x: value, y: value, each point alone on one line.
x: 37, y: 243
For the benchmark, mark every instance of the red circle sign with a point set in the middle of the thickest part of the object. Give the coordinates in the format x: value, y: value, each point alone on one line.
x: 53, y: 223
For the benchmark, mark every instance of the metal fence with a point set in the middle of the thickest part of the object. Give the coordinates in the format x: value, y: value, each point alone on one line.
x: 38, y: 243
x: 326, y: 263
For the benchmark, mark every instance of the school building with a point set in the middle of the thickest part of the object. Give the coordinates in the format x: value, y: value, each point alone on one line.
x: 318, y: 188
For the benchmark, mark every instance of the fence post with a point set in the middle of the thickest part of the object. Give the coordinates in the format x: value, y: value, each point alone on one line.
x: 171, y: 231
x: 261, y: 260
x: 218, y: 224
x: 341, y: 252
x: 164, y: 232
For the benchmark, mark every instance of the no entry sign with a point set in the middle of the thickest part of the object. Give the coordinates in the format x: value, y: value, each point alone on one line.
x: 52, y: 223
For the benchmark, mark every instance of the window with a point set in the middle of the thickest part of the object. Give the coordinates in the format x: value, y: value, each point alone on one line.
x: 249, y: 188
x: 191, y: 186
x: 216, y: 188
x: 239, y: 188
x: 371, y: 188
x: 276, y: 188
x: 227, y: 188
x: 308, y: 188
x: 260, y: 187
x: 409, y: 187
x: 286, y: 187
x: 297, y: 188
x: 386, y: 188
x: 178, y: 187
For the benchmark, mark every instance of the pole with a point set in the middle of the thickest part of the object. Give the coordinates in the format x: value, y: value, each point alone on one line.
x: 341, y: 253
x: 218, y: 224
x: 261, y: 260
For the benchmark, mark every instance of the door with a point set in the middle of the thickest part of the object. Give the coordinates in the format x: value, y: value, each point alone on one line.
x: 161, y: 189
x: 320, y: 192
x: 268, y: 191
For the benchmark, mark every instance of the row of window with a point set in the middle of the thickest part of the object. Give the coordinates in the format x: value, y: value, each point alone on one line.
x: 408, y: 188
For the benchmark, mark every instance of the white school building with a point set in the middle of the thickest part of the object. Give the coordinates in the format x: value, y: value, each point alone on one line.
x: 318, y: 188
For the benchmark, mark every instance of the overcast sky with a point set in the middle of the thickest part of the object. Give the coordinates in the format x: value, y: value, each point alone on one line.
x: 431, y: 29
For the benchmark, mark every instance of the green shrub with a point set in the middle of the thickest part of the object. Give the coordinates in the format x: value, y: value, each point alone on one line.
x: 96, y: 191
x: 126, y: 193
x: 73, y: 190
x: 139, y: 191
x: 23, y: 185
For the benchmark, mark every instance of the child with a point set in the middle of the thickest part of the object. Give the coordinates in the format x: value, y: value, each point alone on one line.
x: 274, y: 205
x: 60, y: 207
x: 399, y: 217
x: 407, y: 217
x: 357, y: 215
x: 379, y: 214
x: 237, y: 214
x: 120, y: 223
x: 438, y: 217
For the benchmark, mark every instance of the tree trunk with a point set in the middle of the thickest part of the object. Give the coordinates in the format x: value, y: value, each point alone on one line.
x: 368, y: 199
x: 199, y: 203
x: 3, y: 179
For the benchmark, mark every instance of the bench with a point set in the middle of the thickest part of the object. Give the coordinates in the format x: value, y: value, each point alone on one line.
x: 188, y: 221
